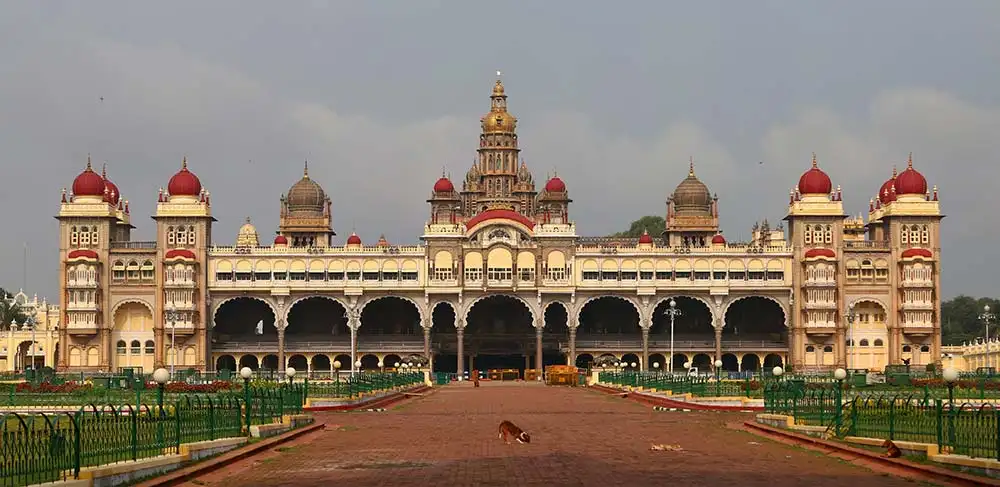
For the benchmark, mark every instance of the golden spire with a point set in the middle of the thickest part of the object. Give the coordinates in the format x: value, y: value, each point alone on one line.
x: 305, y: 170
x: 815, y: 165
x: 248, y: 220
x: 184, y: 163
x: 104, y: 171
x: 909, y: 161
x: 691, y: 166
x: 894, y: 172
x: 88, y: 163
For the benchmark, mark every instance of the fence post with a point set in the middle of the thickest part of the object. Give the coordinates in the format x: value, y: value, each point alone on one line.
x: 996, y: 434
x: 177, y: 428
x: 135, y: 434
x: 211, y: 418
x: 77, y: 444
x: 839, y: 409
x: 939, y: 412
x: 854, y: 417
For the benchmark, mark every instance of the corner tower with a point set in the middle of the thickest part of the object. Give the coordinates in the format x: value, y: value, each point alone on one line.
x: 496, y: 179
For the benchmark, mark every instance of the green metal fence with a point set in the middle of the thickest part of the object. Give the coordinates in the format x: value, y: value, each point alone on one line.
x: 45, y: 447
x: 682, y: 384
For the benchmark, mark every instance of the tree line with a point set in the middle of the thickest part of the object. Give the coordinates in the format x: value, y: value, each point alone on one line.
x: 10, y: 311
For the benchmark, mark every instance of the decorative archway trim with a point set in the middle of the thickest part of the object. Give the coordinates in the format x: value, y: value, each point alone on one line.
x: 217, y: 305
x: 708, y: 305
x: 433, y: 306
x: 866, y: 299
x: 781, y: 306
x: 583, y: 305
x: 472, y: 304
x: 119, y: 304
x: 416, y: 306
x: 288, y: 309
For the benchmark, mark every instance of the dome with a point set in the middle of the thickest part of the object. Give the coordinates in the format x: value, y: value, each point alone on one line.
x: 719, y: 240
x: 499, y: 122
x: 645, y: 238
x: 247, y: 236
x: 887, y: 192
x: 354, y: 239
x: 555, y: 185
x: 184, y: 183
x: 444, y: 185
x: 382, y: 242
x: 692, y: 196
x: 815, y: 181
x: 280, y: 240
x: 910, y: 181
x: 88, y: 183
x: 113, y: 195
x: 306, y: 195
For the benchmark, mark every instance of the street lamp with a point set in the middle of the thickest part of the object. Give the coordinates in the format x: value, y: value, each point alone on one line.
x: 172, y: 317
x: 396, y: 365
x: 160, y: 376
x: 357, y: 365
x: 381, y: 366
x: 290, y: 373
x: 246, y: 373
x: 718, y: 380
x: 336, y: 368
x: 777, y: 371
x: 839, y: 375
x: 849, y: 317
x: 986, y: 317
x: 950, y: 376
x: 673, y: 313
x: 31, y: 322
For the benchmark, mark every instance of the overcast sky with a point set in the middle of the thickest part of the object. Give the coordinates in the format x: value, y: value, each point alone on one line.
x: 615, y: 96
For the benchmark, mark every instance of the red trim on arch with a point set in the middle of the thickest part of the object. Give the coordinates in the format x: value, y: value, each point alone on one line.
x: 915, y: 252
x: 499, y: 215
x: 179, y: 254
x: 82, y: 254
x: 817, y: 253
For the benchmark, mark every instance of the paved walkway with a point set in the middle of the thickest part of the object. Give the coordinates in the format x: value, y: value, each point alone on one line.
x: 579, y: 437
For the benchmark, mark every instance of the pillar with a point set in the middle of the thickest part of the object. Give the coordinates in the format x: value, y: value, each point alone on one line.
x: 645, y: 349
x: 109, y: 350
x: 460, y: 332
x: 158, y: 352
x: 718, y: 345
x: 281, y: 348
x: 427, y: 344
x: 538, y: 351
x: 572, y: 346
x: 354, y: 347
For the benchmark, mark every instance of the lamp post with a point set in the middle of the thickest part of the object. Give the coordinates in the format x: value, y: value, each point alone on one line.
x: 950, y: 376
x: 849, y: 317
x: 381, y: 366
x: 290, y: 373
x: 673, y: 313
x: 336, y: 368
x: 839, y: 375
x: 31, y: 323
x: 172, y: 317
x: 357, y: 365
x: 986, y: 317
x: 160, y: 376
x: 246, y: 373
x: 777, y: 371
x: 718, y: 378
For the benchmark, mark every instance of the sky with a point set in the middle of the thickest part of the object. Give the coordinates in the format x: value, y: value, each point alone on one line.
x: 380, y: 97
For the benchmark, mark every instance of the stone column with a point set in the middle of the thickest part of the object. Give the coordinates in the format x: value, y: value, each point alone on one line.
x: 281, y: 346
x: 427, y: 344
x: 159, y: 350
x: 354, y: 348
x: 572, y: 346
x: 460, y: 334
x: 538, y: 351
x: 109, y: 350
x: 645, y: 349
x: 718, y: 345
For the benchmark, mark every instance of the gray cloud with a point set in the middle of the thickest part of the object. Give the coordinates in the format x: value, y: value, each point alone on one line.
x: 377, y: 137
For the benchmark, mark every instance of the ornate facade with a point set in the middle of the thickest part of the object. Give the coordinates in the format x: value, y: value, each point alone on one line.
x: 502, y: 279
x: 39, y: 326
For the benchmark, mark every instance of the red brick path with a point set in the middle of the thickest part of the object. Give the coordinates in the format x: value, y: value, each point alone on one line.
x: 579, y: 437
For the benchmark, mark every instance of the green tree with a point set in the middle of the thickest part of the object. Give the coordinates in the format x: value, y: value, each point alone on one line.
x: 9, y: 310
x: 653, y: 224
x: 960, y: 319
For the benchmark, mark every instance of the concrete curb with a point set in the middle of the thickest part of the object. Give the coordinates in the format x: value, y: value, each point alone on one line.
x: 188, y: 473
x: 373, y: 402
x: 671, y: 403
x: 927, y: 472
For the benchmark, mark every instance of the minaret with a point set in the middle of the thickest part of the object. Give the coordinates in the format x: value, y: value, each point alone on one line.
x: 496, y: 180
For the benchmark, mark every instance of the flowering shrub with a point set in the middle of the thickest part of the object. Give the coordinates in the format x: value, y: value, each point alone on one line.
x: 183, y: 387
x: 45, y: 387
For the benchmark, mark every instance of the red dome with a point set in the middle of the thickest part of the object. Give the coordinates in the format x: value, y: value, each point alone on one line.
x: 88, y: 183
x: 816, y: 253
x: 555, y: 185
x: 911, y: 253
x: 444, y: 185
x: 719, y: 239
x: 910, y: 181
x: 645, y: 238
x: 815, y: 181
x: 280, y: 240
x: 184, y: 183
x: 354, y: 239
x: 113, y: 195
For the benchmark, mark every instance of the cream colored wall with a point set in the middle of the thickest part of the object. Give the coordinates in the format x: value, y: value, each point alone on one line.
x: 133, y: 323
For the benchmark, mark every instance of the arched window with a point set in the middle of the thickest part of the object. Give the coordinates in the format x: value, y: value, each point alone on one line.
x: 147, y: 271
x: 810, y: 349
x: 171, y: 237
x: 93, y: 236
x: 925, y: 349
x: 120, y: 347
x: 828, y: 234
x: 925, y: 235
x: 878, y: 342
x: 74, y: 236
x: 136, y: 348
x: 904, y: 236
x: 864, y: 342
x: 132, y: 270
x: 807, y: 235
x: 907, y: 349
x: 118, y: 271
x: 828, y: 349
x: 191, y: 234
x: 181, y: 236
x: 84, y: 236
x: 150, y: 347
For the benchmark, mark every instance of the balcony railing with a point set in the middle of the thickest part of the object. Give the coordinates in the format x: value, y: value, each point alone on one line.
x: 867, y: 245
x: 679, y: 345
x: 405, y: 345
x: 145, y: 245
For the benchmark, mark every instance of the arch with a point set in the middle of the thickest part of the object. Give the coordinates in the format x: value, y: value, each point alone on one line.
x: 262, y: 266
x: 772, y: 360
x: 217, y: 305
x: 298, y: 362
x: 119, y: 304
x: 416, y: 306
x: 632, y: 358
x: 583, y: 305
x: 678, y: 361
x: 225, y: 362
x: 703, y: 362
x: 750, y: 363
x: 443, y: 318
x: 316, y: 319
x: 270, y: 362
x: 473, y: 260
x: 555, y: 318
x: 443, y: 260
x: 391, y: 360
x: 369, y: 362
x: 555, y: 259
x: 499, y: 257
x: 584, y: 360
x: 370, y: 265
x: 657, y: 361
x: 345, y: 362
x: 695, y: 322
x: 390, y: 267
x: 774, y: 300
x: 869, y: 299
x: 468, y: 310
x: 730, y: 363
x: 320, y: 361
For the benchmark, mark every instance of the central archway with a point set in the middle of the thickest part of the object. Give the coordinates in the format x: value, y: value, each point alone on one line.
x: 609, y: 321
x: 756, y: 318
x: 316, y: 318
x: 390, y: 324
x: 692, y: 327
x: 499, y: 334
x: 556, y: 335
x: 444, y: 341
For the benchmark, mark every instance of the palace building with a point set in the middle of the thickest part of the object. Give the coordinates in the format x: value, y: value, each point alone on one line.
x: 501, y: 279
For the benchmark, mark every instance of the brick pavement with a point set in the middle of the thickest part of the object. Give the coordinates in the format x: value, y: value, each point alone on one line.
x: 579, y: 438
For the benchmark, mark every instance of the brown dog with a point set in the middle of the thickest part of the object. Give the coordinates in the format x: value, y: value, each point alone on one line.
x: 892, y: 451
x: 508, y: 429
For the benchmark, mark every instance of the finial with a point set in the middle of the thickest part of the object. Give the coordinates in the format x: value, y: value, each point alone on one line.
x: 909, y: 161
x: 88, y: 163
x: 815, y: 165
x: 248, y: 219
x: 104, y: 170
x: 305, y: 170
x: 499, y: 75
x: 64, y: 195
x: 184, y: 163
x: 442, y: 171
x: 691, y: 166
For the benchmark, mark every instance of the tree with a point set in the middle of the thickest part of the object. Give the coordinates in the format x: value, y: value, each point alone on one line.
x: 653, y: 224
x: 960, y: 319
x: 10, y: 311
